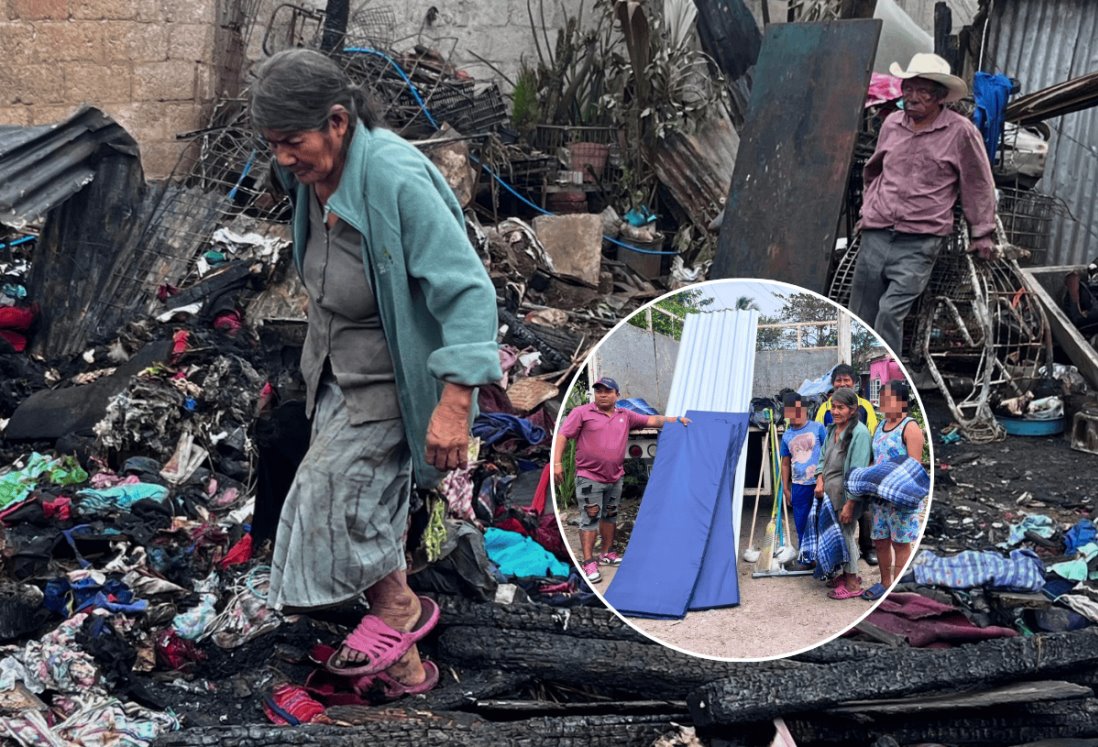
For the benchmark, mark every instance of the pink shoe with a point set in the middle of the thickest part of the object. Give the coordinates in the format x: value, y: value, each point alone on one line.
x: 610, y: 558
x: 591, y: 570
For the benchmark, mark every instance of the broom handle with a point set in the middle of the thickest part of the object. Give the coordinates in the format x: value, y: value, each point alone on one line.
x: 758, y: 490
x: 775, y: 470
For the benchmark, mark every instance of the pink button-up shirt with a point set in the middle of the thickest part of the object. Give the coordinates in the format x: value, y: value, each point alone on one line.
x: 914, y: 178
x: 600, y: 440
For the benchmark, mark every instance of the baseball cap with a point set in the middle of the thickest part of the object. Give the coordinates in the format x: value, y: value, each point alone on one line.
x: 607, y: 382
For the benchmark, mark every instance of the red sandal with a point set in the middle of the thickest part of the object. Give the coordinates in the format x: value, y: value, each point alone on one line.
x: 382, y: 645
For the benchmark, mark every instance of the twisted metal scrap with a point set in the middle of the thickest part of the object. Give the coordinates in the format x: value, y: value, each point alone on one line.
x: 995, y: 322
x: 976, y: 314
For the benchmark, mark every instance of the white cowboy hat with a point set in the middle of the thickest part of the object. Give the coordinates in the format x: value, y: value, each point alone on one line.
x: 932, y: 67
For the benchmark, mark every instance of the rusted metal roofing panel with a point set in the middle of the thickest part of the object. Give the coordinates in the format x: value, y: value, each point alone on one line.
x: 714, y: 371
x: 42, y: 166
x: 1042, y: 43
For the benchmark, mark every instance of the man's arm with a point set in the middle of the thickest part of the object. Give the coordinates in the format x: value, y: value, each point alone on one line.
x: 977, y: 184
x: 659, y: 421
x: 560, y: 443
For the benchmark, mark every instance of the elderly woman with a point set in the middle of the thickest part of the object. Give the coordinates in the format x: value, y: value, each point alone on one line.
x: 847, y: 445
x: 402, y: 327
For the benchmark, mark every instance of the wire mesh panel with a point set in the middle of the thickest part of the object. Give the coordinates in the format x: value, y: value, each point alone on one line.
x: 1027, y: 217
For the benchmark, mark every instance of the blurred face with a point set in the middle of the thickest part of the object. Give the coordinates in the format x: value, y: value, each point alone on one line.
x: 921, y: 98
x: 605, y: 399
x: 797, y: 415
x: 891, y: 405
x: 313, y: 156
x: 843, y: 380
x: 841, y: 413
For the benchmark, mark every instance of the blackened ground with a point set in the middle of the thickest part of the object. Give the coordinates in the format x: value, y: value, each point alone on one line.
x: 980, y: 489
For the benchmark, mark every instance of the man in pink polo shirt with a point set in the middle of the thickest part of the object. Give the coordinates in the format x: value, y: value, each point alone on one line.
x: 601, y: 430
x: 927, y: 157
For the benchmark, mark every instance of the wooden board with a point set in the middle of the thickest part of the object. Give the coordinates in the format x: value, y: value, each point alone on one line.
x: 1067, y: 335
x: 796, y: 147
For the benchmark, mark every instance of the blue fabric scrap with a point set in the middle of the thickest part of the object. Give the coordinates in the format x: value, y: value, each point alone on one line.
x: 493, y: 427
x: 1022, y: 571
x: 991, y: 92
x: 521, y: 556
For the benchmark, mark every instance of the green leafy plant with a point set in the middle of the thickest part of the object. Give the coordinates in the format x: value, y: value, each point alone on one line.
x: 525, y: 108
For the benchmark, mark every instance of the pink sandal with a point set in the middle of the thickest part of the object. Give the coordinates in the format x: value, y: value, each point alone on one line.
x: 836, y: 582
x: 382, y: 645
x: 841, y: 592
x: 393, y: 689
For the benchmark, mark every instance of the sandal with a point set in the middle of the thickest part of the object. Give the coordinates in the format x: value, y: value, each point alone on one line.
x: 874, y: 592
x: 841, y: 592
x: 382, y: 645
x: 393, y: 689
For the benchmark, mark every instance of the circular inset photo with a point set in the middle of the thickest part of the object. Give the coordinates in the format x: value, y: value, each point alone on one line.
x: 741, y: 470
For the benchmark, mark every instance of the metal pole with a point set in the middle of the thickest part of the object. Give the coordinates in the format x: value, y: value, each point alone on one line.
x: 336, y: 15
x: 844, y: 338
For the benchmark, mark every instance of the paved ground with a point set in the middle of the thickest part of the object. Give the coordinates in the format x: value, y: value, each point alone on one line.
x: 775, y: 617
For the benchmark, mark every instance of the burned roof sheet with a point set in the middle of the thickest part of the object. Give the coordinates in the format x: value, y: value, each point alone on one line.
x: 44, y: 165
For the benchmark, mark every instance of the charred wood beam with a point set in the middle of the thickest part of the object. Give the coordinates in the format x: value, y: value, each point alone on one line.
x: 530, y: 708
x: 581, y: 622
x: 839, y: 650
x: 396, y: 728
x: 1022, y: 692
x: 1015, y: 724
x: 521, y: 336
x: 615, y: 667
x: 336, y: 15
x: 899, y: 672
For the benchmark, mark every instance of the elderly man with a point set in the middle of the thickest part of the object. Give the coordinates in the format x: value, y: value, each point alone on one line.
x: 927, y: 157
x: 600, y: 430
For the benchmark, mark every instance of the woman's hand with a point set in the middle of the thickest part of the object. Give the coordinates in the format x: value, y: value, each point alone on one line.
x: 819, y: 492
x: 847, y: 514
x: 448, y: 431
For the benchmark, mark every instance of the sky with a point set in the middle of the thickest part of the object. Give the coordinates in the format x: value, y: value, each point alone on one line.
x: 764, y: 293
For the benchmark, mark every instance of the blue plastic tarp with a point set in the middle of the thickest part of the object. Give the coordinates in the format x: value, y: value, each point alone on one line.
x: 637, y: 404
x: 681, y: 555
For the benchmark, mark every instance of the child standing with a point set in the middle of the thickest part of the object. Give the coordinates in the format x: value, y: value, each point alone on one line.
x: 800, y: 453
x: 894, y: 528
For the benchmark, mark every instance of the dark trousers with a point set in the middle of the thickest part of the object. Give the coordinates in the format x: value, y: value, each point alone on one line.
x: 892, y: 271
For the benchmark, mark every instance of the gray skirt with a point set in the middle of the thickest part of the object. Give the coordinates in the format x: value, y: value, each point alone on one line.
x: 343, y: 524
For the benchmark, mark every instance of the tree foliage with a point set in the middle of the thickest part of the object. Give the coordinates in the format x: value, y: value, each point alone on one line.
x: 808, y: 307
x: 689, y: 301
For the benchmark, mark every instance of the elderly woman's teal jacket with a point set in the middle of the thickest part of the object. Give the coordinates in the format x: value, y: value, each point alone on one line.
x: 435, y: 300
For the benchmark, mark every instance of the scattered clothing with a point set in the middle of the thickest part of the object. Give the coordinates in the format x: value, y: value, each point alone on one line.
x: 495, y: 427
x: 1080, y: 567
x: 119, y: 498
x: 17, y: 485
x: 1083, y: 533
x: 521, y: 556
x: 926, y: 623
x: 1039, y: 524
x: 1022, y: 571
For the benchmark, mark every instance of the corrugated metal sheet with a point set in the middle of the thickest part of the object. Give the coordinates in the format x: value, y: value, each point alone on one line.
x: 1042, y: 42
x: 714, y: 371
x: 42, y: 166
x: 697, y: 168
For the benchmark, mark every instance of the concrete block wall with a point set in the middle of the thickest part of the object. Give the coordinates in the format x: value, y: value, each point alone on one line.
x: 498, y: 31
x: 148, y: 63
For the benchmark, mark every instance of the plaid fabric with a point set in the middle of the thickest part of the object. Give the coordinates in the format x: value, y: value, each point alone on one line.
x: 902, y: 481
x: 823, y: 542
x: 1023, y: 571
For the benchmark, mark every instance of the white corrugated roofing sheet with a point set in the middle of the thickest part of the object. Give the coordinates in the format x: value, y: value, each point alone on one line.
x: 714, y: 371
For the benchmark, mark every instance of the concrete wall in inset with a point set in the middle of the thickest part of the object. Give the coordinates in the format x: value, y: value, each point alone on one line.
x: 642, y: 362
x: 778, y: 369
